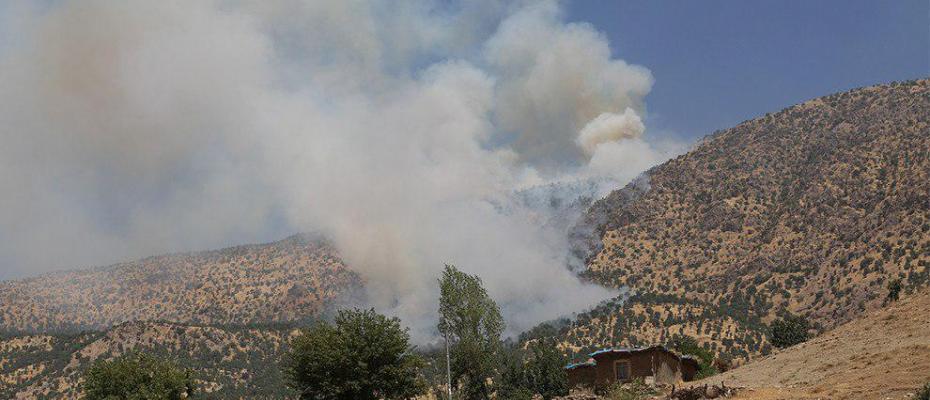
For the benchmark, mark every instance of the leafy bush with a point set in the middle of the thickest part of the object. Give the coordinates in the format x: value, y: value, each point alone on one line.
x: 137, y: 376
x: 894, y: 291
x: 687, y: 345
x: 519, y: 393
x: 541, y: 372
x: 545, y: 372
x: 635, y: 390
x: 513, y: 383
x: 923, y: 393
x: 789, y: 331
x: 363, y: 356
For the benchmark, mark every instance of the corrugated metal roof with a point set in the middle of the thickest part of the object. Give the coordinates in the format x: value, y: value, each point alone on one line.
x: 581, y: 364
x: 616, y: 350
x: 637, y: 349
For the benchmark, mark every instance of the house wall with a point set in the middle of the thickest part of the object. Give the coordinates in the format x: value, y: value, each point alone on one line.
x: 668, y: 368
x: 663, y: 366
x: 582, y: 376
x: 688, y: 370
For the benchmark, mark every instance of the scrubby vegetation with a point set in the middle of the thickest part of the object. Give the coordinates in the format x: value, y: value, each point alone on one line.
x: 538, y: 369
x: 635, y: 390
x: 648, y: 319
x: 894, y: 291
x: 789, y: 331
x: 228, y: 362
x: 923, y: 393
x: 137, y: 376
x: 362, y: 356
x: 293, y: 280
x: 813, y: 209
x: 686, y: 345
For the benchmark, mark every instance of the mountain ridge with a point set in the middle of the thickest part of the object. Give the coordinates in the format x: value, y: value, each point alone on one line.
x: 288, y: 280
x: 812, y: 210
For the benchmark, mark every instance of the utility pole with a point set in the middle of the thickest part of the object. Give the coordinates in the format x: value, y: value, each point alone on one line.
x: 448, y: 367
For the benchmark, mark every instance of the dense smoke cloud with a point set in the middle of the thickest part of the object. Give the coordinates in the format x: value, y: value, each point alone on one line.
x: 400, y: 130
x: 609, y: 127
x: 554, y: 78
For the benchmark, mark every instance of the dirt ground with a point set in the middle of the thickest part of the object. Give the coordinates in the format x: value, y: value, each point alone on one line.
x: 885, y: 355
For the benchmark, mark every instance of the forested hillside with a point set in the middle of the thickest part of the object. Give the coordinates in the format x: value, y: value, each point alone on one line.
x: 291, y: 280
x: 227, y: 362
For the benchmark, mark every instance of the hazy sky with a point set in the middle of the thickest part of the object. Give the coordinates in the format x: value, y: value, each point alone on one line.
x: 720, y: 62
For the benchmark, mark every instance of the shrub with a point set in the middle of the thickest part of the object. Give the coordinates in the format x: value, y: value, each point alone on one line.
x: 789, y: 331
x: 894, y: 290
x: 513, y: 383
x: 687, y: 345
x: 923, y: 393
x: 635, y: 390
x: 544, y: 370
x: 137, y: 376
x: 516, y: 394
x: 363, y: 356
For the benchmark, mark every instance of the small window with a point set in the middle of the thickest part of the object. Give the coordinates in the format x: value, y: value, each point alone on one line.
x: 622, y: 368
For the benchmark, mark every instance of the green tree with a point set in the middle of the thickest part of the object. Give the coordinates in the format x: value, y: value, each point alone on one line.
x: 545, y: 373
x: 362, y: 356
x: 512, y: 384
x: 894, y: 291
x: 137, y: 376
x: 687, y: 345
x: 471, y: 322
x: 789, y: 331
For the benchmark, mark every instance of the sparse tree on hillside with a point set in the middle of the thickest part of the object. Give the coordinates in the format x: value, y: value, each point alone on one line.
x: 789, y: 331
x: 894, y: 291
x: 137, y: 376
x: 471, y: 322
x: 362, y: 356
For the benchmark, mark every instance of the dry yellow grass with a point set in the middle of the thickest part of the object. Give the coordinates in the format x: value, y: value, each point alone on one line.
x: 884, y: 355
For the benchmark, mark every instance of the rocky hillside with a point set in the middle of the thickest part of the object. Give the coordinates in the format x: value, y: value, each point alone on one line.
x: 285, y: 281
x: 812, y: 210
x: 228, y: 363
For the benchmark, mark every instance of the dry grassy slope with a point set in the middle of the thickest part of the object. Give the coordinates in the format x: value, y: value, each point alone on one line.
x: 288, y: 280
x: 229, y: 363
x: 811, y: 209
x: 885, y: 354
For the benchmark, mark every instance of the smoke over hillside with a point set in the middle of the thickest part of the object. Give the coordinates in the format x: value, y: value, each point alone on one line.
x: 400, y: 130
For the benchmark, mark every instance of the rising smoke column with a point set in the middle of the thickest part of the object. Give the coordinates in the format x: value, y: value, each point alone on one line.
x: 399, y: 130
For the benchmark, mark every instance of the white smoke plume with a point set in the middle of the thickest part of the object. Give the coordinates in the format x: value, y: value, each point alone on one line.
x: 610, y: 127
x: 399, y: 129
x: 553, y: 79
